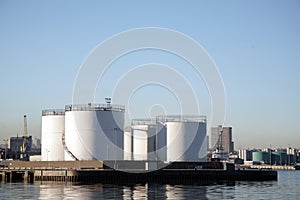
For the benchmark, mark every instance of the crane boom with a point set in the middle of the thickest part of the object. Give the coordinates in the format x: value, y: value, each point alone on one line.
x: 219, y: 143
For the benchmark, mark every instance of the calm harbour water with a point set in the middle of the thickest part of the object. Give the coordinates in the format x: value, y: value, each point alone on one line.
x: 287, y: 187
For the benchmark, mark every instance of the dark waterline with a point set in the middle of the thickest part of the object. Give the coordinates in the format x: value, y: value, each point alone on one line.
x: 287, y: 187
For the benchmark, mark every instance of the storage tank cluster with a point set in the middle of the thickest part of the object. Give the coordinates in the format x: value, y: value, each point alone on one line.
x: 83, y: 132
x: 96, y: 132
x: 168, y: 138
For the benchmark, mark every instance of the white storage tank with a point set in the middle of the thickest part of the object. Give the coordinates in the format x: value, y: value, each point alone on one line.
x: 151, y: 143
x: 185, y: 137
x: 127, y: 144
x: 144, y: 139
x: 94, y: 132
x: 161, y: 141
x: 53, y: 127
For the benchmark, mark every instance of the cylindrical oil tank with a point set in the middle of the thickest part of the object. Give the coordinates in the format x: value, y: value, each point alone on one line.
x: 151, y: 143
x: 127, y: 145
x: 144, y: 139
x: 140, y: 146
x: 53, y: 127
x: 161, y: 141
x: 94, y: 132
x: 185, y: 137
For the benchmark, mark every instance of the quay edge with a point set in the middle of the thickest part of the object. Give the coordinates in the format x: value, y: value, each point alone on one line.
x: 97, y: 172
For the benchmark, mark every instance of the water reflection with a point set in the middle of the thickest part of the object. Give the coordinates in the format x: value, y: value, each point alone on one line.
x: 106, y: 191
x: 287, y: 187
x: 185, y: 192
x: 157, y: 191
x: 142, y: 192
x: 139, y: 192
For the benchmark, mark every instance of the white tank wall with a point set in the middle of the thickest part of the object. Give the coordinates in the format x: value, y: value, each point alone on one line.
x: 127, y: 145
x: 53, y: 127
x: 140, y: 142
x: 184, y: 141
x: 151, y: 143
x: 161, y: 141
x: 144, y: 142
x: 91, y: 134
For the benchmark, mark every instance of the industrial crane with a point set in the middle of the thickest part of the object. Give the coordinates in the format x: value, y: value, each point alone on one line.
x: 218, y: 150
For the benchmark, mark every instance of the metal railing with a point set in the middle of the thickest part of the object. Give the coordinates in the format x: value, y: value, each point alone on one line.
x: 53, y: 112
x: 143, y: 121
x: 181, y: 118
x: 169, y: 118
x: 95, y: 107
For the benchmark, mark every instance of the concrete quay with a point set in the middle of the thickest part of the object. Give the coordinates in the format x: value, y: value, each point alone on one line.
x: 46, y: 170
x: 97, y: 172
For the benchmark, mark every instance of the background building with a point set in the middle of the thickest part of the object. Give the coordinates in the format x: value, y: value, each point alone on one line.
x: 36, y: 143
x: 226, y: 138
x: 291, y: 155
x: 261, y: 157
x: 19, y: 145
x: 245, y: 154
x: 16, y: 143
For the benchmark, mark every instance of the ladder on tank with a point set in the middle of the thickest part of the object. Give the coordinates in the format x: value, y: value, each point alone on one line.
x: 63, y: 139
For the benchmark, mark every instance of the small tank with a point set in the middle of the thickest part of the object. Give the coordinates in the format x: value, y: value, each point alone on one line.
x: 53, y: 127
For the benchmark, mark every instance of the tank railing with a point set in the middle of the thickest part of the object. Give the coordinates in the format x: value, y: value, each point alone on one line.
x: 143, y: 121
x: 94, y: 107
x: 53, y: 112
x: 181, y: 118
x: 169, y: 118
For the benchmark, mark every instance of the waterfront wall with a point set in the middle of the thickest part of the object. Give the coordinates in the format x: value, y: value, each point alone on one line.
x: 93, y: 172
x: 89, y: 164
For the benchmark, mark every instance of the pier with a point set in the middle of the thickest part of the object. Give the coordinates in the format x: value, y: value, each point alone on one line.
x: 97, y: 172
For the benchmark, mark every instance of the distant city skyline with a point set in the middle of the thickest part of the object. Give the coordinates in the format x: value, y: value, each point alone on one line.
x: 255, y: 46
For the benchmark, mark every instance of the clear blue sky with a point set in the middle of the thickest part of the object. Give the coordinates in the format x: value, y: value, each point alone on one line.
x: 256, y: 46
